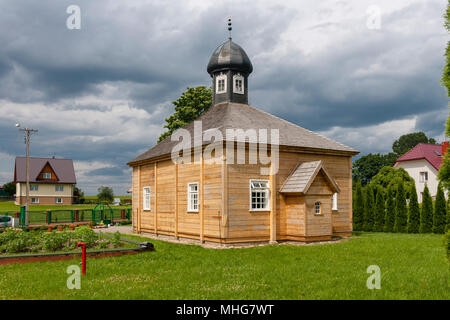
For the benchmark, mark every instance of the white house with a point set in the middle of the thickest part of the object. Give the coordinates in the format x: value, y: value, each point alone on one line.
x: 422, y: 163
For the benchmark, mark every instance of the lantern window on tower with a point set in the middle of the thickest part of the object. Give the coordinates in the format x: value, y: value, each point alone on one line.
x: 238, y: 84
x: 221, y: 83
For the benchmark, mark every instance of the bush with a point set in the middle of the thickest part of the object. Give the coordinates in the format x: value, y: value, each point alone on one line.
x: 369, y: 209
x: 358, y: 210
x: 390, y: 210
x: 400, y: 210
x: 414, y: 212
x: 439, y: 217
x: 426, y: 215
x: 380, y: 210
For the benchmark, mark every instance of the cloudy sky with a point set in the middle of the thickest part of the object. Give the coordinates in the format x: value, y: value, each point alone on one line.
x: 99, y: 95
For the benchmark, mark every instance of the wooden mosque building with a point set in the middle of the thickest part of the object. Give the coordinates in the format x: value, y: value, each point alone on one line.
x: 305, y: 195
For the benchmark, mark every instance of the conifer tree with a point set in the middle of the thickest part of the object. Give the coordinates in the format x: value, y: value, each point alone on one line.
x: 390, y: 210
x: 439, y: 216
x: 369, y: 209
x: 426, y: 215
x: 380, y: 210
x: 448, y: 215
x: 400, y: 210
x: 413, y: 212
x: 358, y: 210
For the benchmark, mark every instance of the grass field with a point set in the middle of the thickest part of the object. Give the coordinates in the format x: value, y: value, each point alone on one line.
x: 11, y: 207
x: 412, y: 267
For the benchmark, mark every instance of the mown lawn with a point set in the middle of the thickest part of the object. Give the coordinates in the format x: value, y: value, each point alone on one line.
x: 9, y: 206
x: 412, y: 267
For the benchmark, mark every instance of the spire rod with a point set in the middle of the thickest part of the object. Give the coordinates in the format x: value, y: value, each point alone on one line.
x: 229, y: 27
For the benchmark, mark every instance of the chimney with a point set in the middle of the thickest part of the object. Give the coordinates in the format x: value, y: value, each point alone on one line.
x: 444, y: 147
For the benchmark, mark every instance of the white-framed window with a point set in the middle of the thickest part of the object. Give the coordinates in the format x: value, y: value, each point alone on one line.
x: 335, y: 202
x: 34, y: 187
x: 221, y: 83
x: 193, y: 197
x: 423, y: 176
x: 34, y: 200
x: 146, y: 198
x: 238, y: 84
x: 47, y: 175
x: 58, y: 200
x: 259, y: 195
x: 59, y: 188
x: 317, y: 208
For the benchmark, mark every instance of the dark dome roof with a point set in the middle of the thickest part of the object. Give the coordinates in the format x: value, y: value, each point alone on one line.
x: 229, y: 56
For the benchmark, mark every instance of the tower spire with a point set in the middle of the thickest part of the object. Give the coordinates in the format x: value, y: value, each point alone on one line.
x: 229, y: 27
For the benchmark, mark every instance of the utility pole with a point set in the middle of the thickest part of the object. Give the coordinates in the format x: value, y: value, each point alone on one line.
x: 28, y: 133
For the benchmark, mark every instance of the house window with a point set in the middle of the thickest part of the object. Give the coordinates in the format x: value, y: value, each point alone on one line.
x: 58, y: 200
x: 34, y: 200
x: 259, y: 195
x: 335, y: 202
x: 221, y: 83
x: 238, y: 82
x: 59, y: 188
x: 193, y: 197
x: 47, y: 175
x: 317, y: 208
x: 34, y: 187
x: 146, y: 198
x: 423, y: 176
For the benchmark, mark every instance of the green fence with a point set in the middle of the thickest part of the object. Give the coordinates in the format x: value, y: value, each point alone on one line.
x: 107, y: 215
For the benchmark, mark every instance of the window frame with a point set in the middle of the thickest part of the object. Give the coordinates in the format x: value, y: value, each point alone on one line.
x: 223, y: 77
x: 334, y: 202
x: 34, y: 187
x: 315, y: 208
x: 56, y: 200
x: 189, y: 193
x: 235, y: 88
x: 266, y: 191
x: 45, y: 175
x: 144, y: 198
x: 34, y: 202
x: 422, y: 176
x: 60, y: 187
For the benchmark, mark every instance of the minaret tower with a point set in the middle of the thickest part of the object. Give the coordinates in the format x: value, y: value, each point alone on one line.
x: 229, y: 68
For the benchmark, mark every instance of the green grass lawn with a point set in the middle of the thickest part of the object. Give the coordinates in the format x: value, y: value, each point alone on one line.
x: 412, y: 267
x: 11, y: 207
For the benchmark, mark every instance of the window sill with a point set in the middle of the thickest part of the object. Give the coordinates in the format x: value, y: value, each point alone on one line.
x: 192, y: 211
x: 335, y: 210
x: 259, y: 210
x: 318, y: 214
x: 147, y: 210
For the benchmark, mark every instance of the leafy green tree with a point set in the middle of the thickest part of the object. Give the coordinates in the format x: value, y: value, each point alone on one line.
x: 369, y: 165
x: 105, y: 194
x: 444, y: 171
x: 440, y: 211
x: 390, y: 210
x: 400, y: 210
x: 78, y: 196
x: 445, y: 80
x: 369, y: 209
x: 389, y: 176
x: 448, y: 215
x: 413, y: 212
x: 10, y: 188
x: 408, y: 141
x: 192, y: 103
x: 358, y: 209
x: 380, y: 210
x: 426, y: 215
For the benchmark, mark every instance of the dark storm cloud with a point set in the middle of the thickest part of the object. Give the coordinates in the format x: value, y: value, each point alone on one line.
x: 143, y: 54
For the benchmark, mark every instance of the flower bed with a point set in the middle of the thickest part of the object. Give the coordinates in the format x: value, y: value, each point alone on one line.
x: 13, y: 241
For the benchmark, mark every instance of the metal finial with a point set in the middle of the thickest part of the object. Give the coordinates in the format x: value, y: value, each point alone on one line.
x: 229, y: 26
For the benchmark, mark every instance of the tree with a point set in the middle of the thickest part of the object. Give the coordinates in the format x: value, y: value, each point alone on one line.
x: 192, y: 103
x: 448, y: 215
x: 426, y: 215
x: 10, y: 188
x: 445, y: 80
x: 369, y: 209
x: 400, y: 210
x: 389, y: 176
x: 408, y: 141
x: 380, y: 210
x: 440, y: 212
x: 413, y: 212
x: 444, y: 171
x: 369, y: 165
x: 390, y: 210
x: 78, y: 196
x: 358, y: 210
x: 105, y: 194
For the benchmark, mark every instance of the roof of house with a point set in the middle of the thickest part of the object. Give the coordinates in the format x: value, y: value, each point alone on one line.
x: 63, y: 169
x: 429, y: 152
x: 303, y: 176
x: 229, y: 115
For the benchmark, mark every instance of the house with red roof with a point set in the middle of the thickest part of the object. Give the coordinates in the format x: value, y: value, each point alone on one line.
x: 423, y: 163
x: 51, y: 181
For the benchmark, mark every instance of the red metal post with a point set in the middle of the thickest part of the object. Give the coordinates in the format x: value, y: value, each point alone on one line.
x: 83, y: 256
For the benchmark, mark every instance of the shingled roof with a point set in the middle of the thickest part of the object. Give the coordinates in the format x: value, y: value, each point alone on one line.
x: 303, y: 176
x: 228, y: 115
x: 63, y: 169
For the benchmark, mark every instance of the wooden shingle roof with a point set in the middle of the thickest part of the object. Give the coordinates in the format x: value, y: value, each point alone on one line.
x: 303, y: 176
x: 229, y: 115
